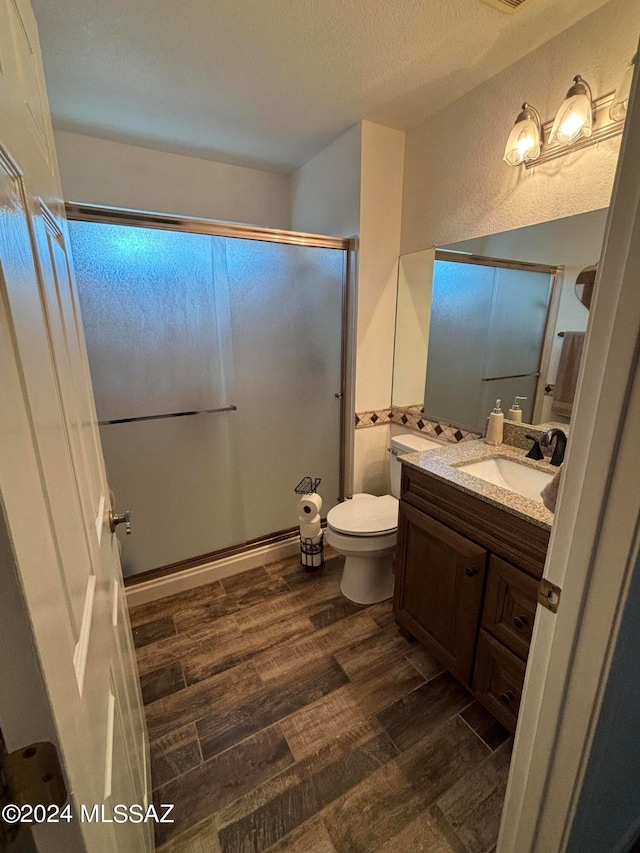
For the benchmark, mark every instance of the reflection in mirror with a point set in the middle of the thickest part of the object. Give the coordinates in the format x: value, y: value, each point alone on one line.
x: 585, y: 283
x: 496, y: 317
x: 488, y: 321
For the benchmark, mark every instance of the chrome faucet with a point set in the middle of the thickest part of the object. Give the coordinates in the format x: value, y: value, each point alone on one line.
x: 560, y: 447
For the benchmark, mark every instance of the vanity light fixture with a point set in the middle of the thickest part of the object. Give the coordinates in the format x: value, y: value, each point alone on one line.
x: 620, y: 102
x: 574, y: 119
x: 579, y: 123
x: 525, y: 139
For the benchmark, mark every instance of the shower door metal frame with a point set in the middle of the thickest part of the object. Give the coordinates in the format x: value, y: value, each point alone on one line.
x: 213, y: 227
x: 143, y: 219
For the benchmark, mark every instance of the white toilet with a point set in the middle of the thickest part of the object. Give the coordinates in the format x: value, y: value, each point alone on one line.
x: 364, y: 530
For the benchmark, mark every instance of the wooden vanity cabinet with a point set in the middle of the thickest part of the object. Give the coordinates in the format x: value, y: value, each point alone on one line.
x: 440, y: 601
x: 466, y: 586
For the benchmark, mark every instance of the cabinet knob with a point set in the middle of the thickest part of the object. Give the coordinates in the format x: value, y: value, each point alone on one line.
x: 471, y: 571
x: 520, y: 621
x: 507, y: 697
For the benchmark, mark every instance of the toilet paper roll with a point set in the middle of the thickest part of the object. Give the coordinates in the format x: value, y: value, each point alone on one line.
x: 309, y: 505
x: 310, y: 529
x: 308, y: 518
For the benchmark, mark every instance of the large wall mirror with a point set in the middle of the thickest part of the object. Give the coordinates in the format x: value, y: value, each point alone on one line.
x: 496, y: 317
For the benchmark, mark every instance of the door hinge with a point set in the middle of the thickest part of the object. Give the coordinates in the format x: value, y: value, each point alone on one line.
x: 549, y: 595
x: 31, y: 775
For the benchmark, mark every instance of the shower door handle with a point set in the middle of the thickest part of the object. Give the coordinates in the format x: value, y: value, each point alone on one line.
x: 120, y: 518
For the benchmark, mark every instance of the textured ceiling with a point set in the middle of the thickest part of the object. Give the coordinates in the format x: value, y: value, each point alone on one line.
x: 269, y: 83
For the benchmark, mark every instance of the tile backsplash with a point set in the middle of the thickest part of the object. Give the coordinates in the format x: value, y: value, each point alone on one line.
x: 374, y: 417
x: 413, y: 418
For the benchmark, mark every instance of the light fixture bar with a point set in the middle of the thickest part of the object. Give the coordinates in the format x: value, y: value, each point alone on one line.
x: 604, y: 127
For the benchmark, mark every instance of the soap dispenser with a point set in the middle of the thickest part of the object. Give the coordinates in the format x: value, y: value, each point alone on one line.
x: 495, y: 427
x: 515, y: 412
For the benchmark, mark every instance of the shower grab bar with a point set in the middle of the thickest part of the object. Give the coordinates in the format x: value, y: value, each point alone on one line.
x: 168, y: 415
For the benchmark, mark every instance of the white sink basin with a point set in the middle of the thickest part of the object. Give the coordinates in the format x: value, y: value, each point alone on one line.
x: 511, y: 475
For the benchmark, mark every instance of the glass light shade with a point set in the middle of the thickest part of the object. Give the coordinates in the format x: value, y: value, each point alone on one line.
x: 574, y: 119
x: 524, y: 141
x: 620, y: 104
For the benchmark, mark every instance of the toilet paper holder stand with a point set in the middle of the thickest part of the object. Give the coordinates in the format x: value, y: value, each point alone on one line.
x: 307, y: 485
x: 311, y: 553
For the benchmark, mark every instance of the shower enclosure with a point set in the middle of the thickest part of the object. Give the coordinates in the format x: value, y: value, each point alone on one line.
x: 488, y: 324
x: 218, y: 370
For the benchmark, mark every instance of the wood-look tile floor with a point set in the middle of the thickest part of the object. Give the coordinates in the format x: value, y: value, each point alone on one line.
x: 282, y: 717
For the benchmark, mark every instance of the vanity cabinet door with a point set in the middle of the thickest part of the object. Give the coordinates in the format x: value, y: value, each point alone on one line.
x: 510, y: 606
x: 438, y: 590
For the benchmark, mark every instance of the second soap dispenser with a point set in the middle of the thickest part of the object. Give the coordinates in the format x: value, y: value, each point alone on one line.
x: 515, y: 412
x: 495, y: 427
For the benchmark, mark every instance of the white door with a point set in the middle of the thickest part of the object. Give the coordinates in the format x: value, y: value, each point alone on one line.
x: 574, y: 780
x: 67, y: 669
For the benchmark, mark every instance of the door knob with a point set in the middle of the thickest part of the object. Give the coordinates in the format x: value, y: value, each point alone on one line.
x: 471, y: 571
x: 120, y: 518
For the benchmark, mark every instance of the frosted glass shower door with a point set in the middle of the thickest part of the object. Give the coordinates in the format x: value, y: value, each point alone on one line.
x: 515, y: 339
x: 157, y: 339
x: 485, y: 339
x: 216, y: 362
x: 286, y: 320
x: 460, y: 311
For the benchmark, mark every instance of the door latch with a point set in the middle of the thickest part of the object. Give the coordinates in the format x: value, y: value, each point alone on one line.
x: 549, y: 595
x: 116, y: 518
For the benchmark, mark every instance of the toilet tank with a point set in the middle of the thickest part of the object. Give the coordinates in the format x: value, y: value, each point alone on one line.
x: 406, y: 443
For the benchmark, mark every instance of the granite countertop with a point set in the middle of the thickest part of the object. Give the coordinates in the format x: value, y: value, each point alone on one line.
x: 442, y: 464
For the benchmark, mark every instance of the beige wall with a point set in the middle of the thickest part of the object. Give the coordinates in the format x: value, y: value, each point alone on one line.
x: 325, y: 191
x: 354, y: 188
x: 413, y: 315
x: 380, y: 210
x: 456, y: 184
x: 325, y: 199
x: 380, y: 217
x: 97, y: 171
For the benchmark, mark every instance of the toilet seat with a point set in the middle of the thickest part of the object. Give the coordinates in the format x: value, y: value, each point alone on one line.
x: 365, y: 515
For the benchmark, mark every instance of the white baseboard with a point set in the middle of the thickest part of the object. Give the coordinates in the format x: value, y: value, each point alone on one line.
x: 209, y: 572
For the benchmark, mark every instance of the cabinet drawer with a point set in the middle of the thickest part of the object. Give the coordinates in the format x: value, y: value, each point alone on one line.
x: 510, y: 606
x: 510, y: 536
x: 498, y: 680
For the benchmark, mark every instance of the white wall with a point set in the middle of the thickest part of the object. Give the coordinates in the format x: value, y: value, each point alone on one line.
x: 456, y: 184
x: 97, y: 171
x: 325, y: 191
